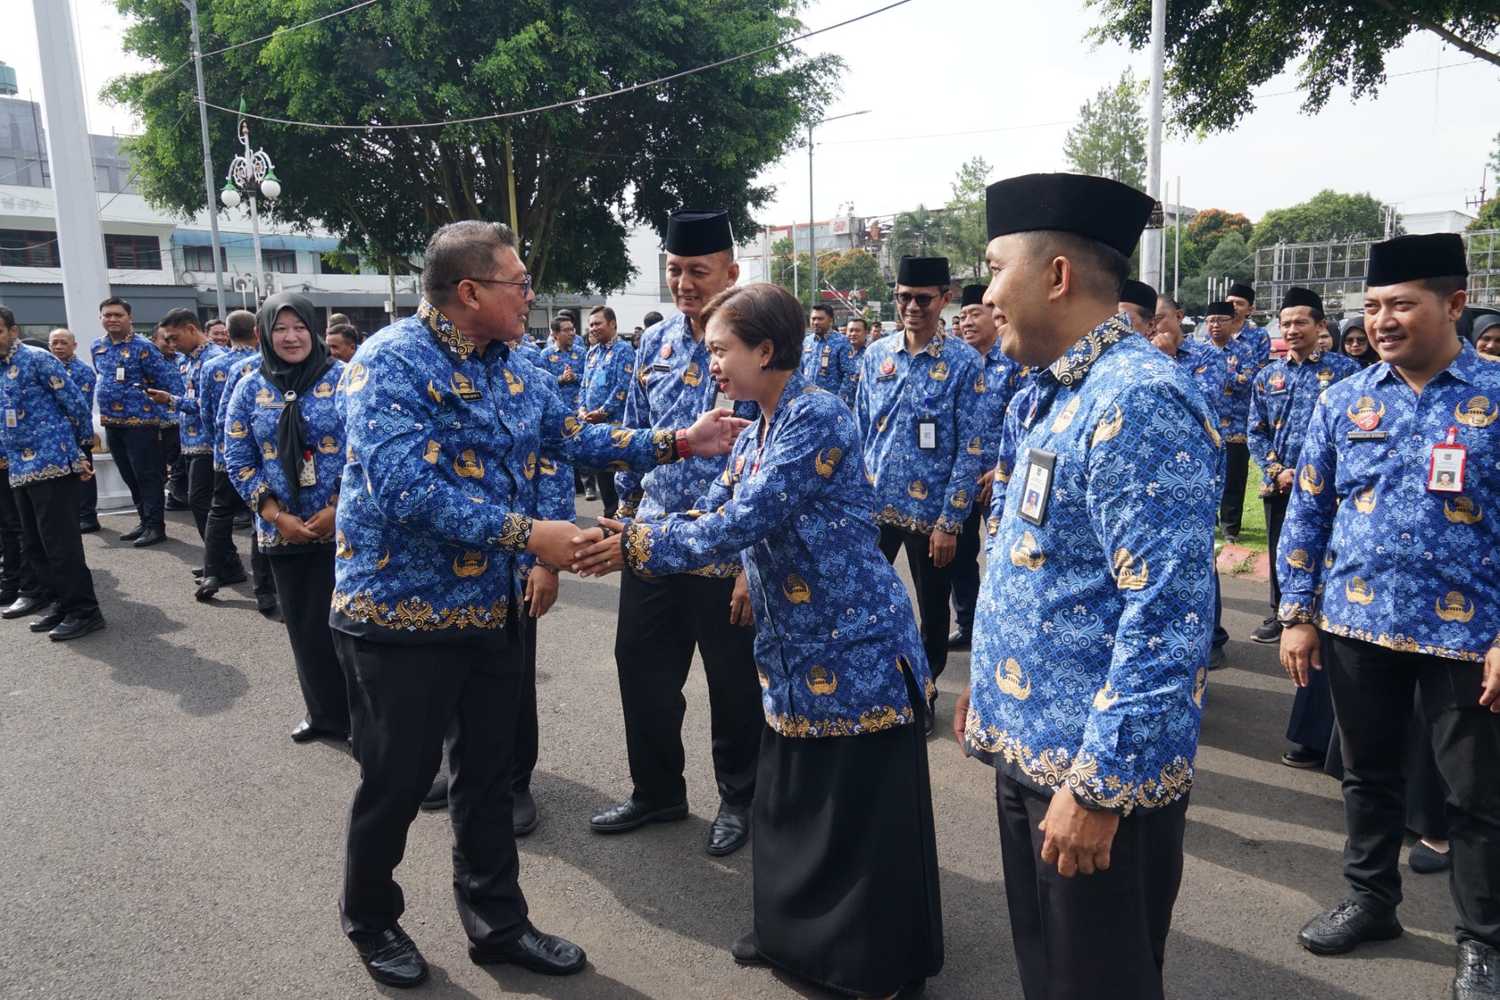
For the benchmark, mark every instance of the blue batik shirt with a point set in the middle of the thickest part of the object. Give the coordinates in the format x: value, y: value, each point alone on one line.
x: 83, y: 377
x: 827, y: 363
x: 443, y: 445
x: 672, y: 388
x: 1002, y: 379
x: 834, y: 631
x: 607, y: 371
x: 1244, y: 355
x: 922, y: 489
x: 566, y: 367
x: 252, y: 461
x: 1205, y: 365
x: 45, y: 425
x: 1092, y: 628
x: 1281, y: 404
x: 241, y: 366
x: 192, y: 429
x: 126, y: 369
x: 1367, y: 550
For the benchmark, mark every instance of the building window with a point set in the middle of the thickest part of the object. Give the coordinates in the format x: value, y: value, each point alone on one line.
x: 132, y: 253
x: 202, y: 259
x: 661, y: 265
x: 28, y: 248
x: 280, y: 261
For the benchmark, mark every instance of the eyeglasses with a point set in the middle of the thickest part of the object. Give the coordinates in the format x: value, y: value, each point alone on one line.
x: 923, y: 300
x: 525, y: 282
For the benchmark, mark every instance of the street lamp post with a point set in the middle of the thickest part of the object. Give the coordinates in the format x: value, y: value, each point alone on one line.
x: 251, y: 172
x: 812, y: 219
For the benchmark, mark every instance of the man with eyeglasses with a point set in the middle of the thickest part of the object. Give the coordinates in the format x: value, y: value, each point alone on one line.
x: 919, y: 415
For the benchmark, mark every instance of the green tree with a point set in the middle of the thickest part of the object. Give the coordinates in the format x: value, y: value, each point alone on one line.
x: 1327, y: 215
x: 1489, y: 216
x: 851, y: 271
x: 920, y: 233
x: 1219, y: 51
x: 965, y: 233
x: 789, y: 274
x: 582, y: 175
x: 1231, y: 257
x: 1212, y: 223
x: 1109, y: 139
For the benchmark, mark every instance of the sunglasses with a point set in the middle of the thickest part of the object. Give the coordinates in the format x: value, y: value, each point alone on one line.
x: 922, y: 299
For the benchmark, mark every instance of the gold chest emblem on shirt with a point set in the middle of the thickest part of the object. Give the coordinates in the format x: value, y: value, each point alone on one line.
x: 323, y: 390
x: 917, y: 490
x: 265, y: 397
x: 692, y: 375
x: 1026, y: 553
x: 1358, y: 591
x: 1012, y: 680
x: 470, y: 563
x: 1109, y: 427
x: 1065, y: 418
x: 939, y: 372
x: 1130, y: 573
x: 1462, y: 510
x: 1276, y: 382
x: 468, y: 465
x: 826, y: 461
x: 796, y: 589
x: 328, y: 446
x: 1476, y: 412
x: 821, y: 680
x: 1310, y: 481
x: 513, y: 383
x: 1364, y: 500
x: 1453, y: 607
x: 1365, y: 413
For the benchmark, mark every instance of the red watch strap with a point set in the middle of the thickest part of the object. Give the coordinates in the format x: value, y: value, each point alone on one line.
x: 684, y: 450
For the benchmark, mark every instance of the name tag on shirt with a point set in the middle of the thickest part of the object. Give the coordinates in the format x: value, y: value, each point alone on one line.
x: 119, y: 373
x: 10, y: 418
x: 926, y: 435
x: 1037, y: 492
x: 722, y: 401
x: 1367, y: 435
x: 661, y: 366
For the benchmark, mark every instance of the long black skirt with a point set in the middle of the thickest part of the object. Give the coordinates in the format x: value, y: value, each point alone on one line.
x: 846, y: 875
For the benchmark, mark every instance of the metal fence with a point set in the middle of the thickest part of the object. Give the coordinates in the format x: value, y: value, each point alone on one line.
x: 1335, y: 269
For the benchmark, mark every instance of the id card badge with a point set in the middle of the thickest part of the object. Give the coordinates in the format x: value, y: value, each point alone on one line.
x: 10, y: 419
x: 1036, y: 489
x: 927, y: 434
x: 1445, y: 468
x: 308, y: 476
x: 722, y: 400
x: 119, y: 373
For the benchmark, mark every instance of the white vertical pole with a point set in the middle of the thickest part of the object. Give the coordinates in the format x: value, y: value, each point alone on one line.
x: 208, y: 163
x: 1151, y: 240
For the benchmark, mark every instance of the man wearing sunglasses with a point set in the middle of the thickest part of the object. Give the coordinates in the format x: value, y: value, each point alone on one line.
x: 919, y: 414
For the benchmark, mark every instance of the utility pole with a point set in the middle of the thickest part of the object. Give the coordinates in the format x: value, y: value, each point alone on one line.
x: 812, y: 242
x: 208, y: 163
x: 1151, y: 265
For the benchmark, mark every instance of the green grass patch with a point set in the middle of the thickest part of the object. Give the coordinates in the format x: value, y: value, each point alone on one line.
x: 1253, y: 518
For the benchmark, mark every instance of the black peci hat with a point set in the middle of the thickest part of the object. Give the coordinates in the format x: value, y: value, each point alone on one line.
x: 1096, y: 208
x: 973, y: 296
x: 696, y: 234
x: 1298, y: 296
x: 1140, y: 294
x: 1412, y: 258
x: 1218, y: 309
x: 918, y: 272
x: 1240, y: 290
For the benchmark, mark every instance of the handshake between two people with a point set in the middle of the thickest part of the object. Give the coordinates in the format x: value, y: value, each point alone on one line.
x: 599, y: 550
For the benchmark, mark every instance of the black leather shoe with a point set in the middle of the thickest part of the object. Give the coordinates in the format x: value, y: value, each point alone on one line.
x: 233, y: 577
x: 8, y: 597
x: 172, y: 503
x: 437, y: 796
x: 730, y: 831
x: 23, y: 606
x: 1478, y: 973
x: 49, y: 621
x: 133, y: 533
x: 929, y: 721
x: 746, y: 951
x: 207, y: 588
x: 545, y: 953
x: 87, y: 527
x: 268, y: 607
x: 1304, y: 758
x: 306, y: 732
x: 391, y: 957
x: 1425, y: 861
x: 73, y: 628
x: 1216, y: 658
x: 149, y: 537
x: 630, y: 815
x: 959, y: 639
x: 1269, y: 632
x: 524, y: 817
x: 1345, y: 927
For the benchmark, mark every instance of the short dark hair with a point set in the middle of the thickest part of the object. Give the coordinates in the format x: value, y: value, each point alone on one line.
x: 461, y: 250
x: 115, y: 300
x: 857, y: 319
x: 1102, y: 269
x: 1445, y: 286
x: 241, y: 325
x: 560, y: 318
x: 7, y: 318
x: 181, y: 316
x: 1169, y: 300
x: 762, y: 312
x: 820, y: 307
x: 216, y: 321
x: 609, y: 313
x: 345, y: 330
x: 651, y: 318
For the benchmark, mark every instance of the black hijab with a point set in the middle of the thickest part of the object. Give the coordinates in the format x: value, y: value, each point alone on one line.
x: 293, y: 381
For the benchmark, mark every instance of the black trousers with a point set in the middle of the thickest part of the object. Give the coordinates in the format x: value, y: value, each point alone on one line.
x: 52, y: 545
x: 261, y: 580
x: 200, y: 489
x: 138, y: 455
x: 1373, y: 689
x: 604, y: 482
x: 1236, y: 470
x: 933, y: 586
x: 175, y: 462
x: 661, y: 620
x: 402, y: 707
x: 1090, y: 937
x: 304, y: 579
x: 1275, y: 507
x: 528, y: 734
x: 88, y: 500
x: 16, y: 576
x: 966, y: 569
x: 220, y: 558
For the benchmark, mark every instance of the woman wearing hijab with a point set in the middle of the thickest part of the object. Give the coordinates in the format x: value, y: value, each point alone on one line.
x: 846, y: 879
x: 284, y: 452
x: 1356, y: 343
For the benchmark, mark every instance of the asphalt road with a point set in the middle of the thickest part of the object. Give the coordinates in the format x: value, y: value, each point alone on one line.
x: 160, y: 836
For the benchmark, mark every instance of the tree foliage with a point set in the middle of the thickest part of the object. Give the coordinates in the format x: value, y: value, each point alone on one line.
x: 1211, y: 224
x: 920, y: 233
x: 852, y: 271
x: 965, y: 233
x: 582, y: 175
x: 1109, y: 139
x: 1489, y: 216
x: 1219, y: 51
x: 1327, y: 215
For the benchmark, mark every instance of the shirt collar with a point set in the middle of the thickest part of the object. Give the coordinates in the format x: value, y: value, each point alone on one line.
x: 934, y: 346
x: 1463, y: 368
x: 1074, y: 365
x: 443, y: 331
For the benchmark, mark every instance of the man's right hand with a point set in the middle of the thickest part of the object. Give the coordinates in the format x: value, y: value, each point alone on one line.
x: 961, y: 720
x: 1300, y: 652
x: 159, y: 396
x: 552, y: 542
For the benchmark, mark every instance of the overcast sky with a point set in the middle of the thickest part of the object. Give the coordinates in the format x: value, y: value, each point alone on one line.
x: 1002, y: 73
